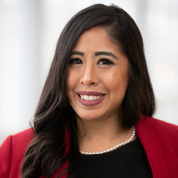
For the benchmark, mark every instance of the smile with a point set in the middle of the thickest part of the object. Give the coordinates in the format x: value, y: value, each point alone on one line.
x: 90, y: 98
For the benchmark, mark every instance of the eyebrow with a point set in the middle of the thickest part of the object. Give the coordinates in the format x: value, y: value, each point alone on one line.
x: 105, y: 53
x: 96, y: 54
x: 77, y: 53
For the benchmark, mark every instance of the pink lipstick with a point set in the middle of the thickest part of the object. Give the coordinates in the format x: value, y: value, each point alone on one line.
x: 90, y: 93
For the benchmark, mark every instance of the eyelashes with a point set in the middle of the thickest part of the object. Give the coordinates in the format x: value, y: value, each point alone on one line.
x: 75, y: 61
x: 102, y: 61
x: 105, y: 61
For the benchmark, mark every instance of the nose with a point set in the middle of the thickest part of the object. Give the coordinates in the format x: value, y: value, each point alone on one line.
x: 89, y: 75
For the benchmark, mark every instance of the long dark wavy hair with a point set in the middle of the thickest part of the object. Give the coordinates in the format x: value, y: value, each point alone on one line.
x: 47, y: 151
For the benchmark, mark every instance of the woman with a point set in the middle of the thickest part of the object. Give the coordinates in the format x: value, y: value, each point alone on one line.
x: 94, y: 115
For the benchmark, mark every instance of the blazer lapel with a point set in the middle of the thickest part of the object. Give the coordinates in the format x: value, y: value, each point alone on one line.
x: 152, y: 146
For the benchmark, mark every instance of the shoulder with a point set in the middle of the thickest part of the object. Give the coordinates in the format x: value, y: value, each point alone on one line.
x: 160, y: 142
x: 160, y: 126
x: 19, y: 140
x: 165, y: 133
x: 18, y: 143
x: 23, y: 137
x: 12, y: 152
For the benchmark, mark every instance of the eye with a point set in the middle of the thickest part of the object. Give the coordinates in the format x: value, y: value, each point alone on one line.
x: 105, y: 61
x: 75, y: 61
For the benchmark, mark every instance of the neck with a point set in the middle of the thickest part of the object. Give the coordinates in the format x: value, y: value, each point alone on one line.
x: 97, y: 135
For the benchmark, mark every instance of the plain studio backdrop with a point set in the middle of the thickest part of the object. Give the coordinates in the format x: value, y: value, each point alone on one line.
x: 28, y: 34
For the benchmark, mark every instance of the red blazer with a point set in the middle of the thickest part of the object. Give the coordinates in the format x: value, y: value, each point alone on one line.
x: 159, y: 139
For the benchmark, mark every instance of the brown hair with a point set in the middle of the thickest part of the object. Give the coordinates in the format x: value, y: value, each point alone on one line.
x: 54, y: 113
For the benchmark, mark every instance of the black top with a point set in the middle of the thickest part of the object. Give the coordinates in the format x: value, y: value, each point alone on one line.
x: 128, y: 161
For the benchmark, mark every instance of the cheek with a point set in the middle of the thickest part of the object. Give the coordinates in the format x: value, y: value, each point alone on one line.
x: 68, y: 80
x: 71, y: 78
x: 116, y: 81
x: 70, y: 83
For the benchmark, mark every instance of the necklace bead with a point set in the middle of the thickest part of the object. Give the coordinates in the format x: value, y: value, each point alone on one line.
x: 114, y: 147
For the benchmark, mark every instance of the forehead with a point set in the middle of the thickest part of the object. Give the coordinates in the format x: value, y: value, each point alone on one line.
x: 96, y: 39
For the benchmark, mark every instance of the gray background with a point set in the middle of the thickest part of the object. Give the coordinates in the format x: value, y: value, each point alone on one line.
x: 29, y: 30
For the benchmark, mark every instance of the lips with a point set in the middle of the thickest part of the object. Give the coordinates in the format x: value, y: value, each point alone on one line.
x: 89, y: 93
x: 100, y: 97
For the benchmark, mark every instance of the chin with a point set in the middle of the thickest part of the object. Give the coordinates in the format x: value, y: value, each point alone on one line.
x: 88, y: 117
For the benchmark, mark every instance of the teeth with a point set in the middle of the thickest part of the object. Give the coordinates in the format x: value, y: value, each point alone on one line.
x: 90, y: 98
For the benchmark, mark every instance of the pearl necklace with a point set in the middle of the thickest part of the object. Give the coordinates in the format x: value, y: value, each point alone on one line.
x: 113, y: 148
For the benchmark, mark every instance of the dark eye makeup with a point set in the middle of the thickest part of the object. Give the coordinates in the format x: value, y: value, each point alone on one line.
x: 105, y: 61
x: 102, y: 61
x: 75, y: 61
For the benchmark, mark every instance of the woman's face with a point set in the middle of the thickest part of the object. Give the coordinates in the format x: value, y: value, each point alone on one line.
x: 97, y: 76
